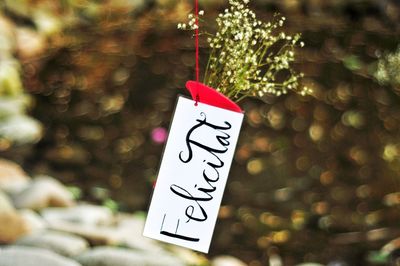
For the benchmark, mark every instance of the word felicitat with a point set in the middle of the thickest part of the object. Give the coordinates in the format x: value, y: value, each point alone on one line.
x: 194, y: 170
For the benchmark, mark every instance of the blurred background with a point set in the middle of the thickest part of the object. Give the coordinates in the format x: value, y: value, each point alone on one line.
x: 88, y: 87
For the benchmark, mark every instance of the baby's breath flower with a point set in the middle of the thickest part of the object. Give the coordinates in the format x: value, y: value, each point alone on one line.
x: 191, y: 24
x: 242, y: 61
x: 249, y: 57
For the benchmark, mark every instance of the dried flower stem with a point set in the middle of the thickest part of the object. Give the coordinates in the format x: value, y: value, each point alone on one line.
x: 249, y: 57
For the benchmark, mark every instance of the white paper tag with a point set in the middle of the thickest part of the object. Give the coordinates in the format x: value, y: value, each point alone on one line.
x: 193, y: 174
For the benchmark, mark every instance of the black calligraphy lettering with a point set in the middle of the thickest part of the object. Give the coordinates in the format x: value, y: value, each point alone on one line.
x: 221, y: 139
x: 176, y: 235
x: 199, y: 197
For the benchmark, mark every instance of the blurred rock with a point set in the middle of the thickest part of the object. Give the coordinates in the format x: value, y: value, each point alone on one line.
x: 82, y: 214
x: 43, y: 192
x: 129, y: 231
x: 227, y: 261
x: 12, y: 226
x: 7, y: 37
x: 28, y: 256
x: 5, y: 204
x: 88, y: 221
x: 188, y: 256
x: 61, y: 243
x: 30, y: 44
x: 96, y: 235
x: 15, y: 126
x: 21, y: 129
x: 34, y: 222
x: 12, y: 177
x: 13, y: 105
x: 47, y: 23
x: 10, y: 80
x: 110, y: 256
x: 275, y: 260
x: 101, y: 229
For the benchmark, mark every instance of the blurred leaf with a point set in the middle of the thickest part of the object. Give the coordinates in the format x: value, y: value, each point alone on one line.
x: 352, y: 62
x: 100, y: 193
x: 75, y: 191
x: 111, y: 204
x: 141, y: 214
x: 378, y: 257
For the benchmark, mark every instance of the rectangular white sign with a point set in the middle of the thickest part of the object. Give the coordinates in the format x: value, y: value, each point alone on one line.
x: 193, y: 174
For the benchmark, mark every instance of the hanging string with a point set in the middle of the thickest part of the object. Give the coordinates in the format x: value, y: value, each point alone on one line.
x: 196, y: 33
x: 197, y: 39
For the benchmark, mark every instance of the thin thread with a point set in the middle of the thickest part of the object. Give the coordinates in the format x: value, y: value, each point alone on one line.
x: 197, y: 39
x: 196, y: 33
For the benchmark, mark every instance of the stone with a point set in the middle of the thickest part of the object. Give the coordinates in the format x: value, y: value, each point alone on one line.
x: 112, y: 256
x: 12, y: 227
x: 33, y: 221
x: 12, y: 177
x: 84, y: 214
x: 7, y: 35
x: 5, y: 204
x: 43, y: 192
x: 129, y: 232
x: 26, y: 36
x: 62, y: 243
x: 275, y: 259
x: 94, y: 223
x: 21, y: 129
x: 188, y: 256
x: 12, y: 105
x: 29, y: 256
x: 225, y: 260
x: 96, y: 235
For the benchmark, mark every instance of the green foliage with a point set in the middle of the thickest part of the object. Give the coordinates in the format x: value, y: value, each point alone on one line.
x: 352, y: 62
x: 75, y: 191
x: 111, y: 204
x: 378, y: 257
